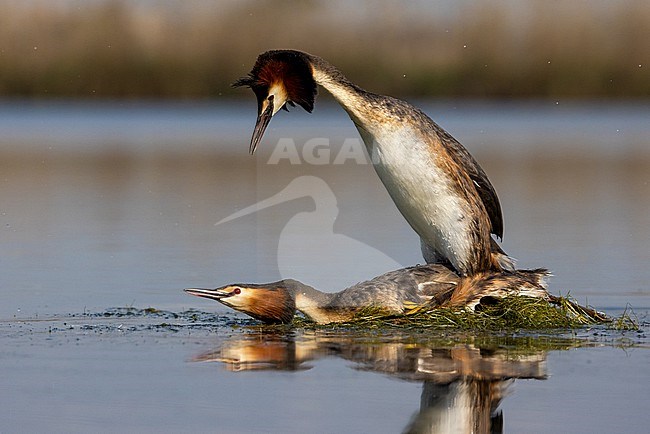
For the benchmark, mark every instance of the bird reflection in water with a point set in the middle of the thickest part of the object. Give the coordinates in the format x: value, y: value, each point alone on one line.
x: 463, y: 383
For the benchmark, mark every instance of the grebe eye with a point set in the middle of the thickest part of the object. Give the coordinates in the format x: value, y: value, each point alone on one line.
x: 236, y: 291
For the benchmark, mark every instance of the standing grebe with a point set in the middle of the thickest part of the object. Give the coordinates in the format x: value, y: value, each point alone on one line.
x: 436, y: 184
x: 395, y: 292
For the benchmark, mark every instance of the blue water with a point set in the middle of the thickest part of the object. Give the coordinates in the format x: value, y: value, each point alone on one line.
x: 114, y: 205
x: 503, y: 129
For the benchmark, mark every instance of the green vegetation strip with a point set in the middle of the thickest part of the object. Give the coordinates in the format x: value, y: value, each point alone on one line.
x: 130, y: 49
x: 511, y: 313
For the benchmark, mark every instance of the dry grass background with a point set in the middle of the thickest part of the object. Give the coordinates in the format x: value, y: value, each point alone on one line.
x: 195, y: 48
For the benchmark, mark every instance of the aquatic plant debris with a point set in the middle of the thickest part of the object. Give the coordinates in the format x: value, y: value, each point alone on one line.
x: 510, y: 313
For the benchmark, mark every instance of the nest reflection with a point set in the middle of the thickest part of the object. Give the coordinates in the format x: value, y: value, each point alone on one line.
x: 464, y: 381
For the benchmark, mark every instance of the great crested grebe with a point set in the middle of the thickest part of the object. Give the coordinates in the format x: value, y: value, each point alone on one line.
x: 436, y: 184
x: 395, y: 292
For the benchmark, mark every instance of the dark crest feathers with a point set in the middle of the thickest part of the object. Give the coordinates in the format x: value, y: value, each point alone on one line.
x: 289, y: 67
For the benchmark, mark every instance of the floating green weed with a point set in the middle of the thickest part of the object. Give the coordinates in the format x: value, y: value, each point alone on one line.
x: 626, y: 321
x: 510, y: 313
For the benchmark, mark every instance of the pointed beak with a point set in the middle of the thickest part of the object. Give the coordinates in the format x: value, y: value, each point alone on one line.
x: 214, y: 294
x: 263, y: 119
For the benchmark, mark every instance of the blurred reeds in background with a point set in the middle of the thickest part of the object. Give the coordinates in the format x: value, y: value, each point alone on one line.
x: 195, y: 49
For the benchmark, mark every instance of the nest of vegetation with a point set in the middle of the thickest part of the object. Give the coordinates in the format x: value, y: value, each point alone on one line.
x: 510, y: 313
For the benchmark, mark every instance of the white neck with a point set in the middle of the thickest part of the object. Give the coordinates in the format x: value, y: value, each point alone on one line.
x: 351, y: 97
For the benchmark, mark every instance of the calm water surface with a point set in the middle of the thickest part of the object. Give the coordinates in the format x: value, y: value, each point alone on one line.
x: 116, y: 205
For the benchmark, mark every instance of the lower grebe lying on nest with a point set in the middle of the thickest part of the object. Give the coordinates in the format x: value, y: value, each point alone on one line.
x: 396, y: 292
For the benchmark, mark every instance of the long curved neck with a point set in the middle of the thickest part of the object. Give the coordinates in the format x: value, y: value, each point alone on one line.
x: 313, y: 303
x: 351, y: 97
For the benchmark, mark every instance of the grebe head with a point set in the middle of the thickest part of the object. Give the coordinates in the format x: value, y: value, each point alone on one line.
x: 279, y: 78
x: 271, y: 303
